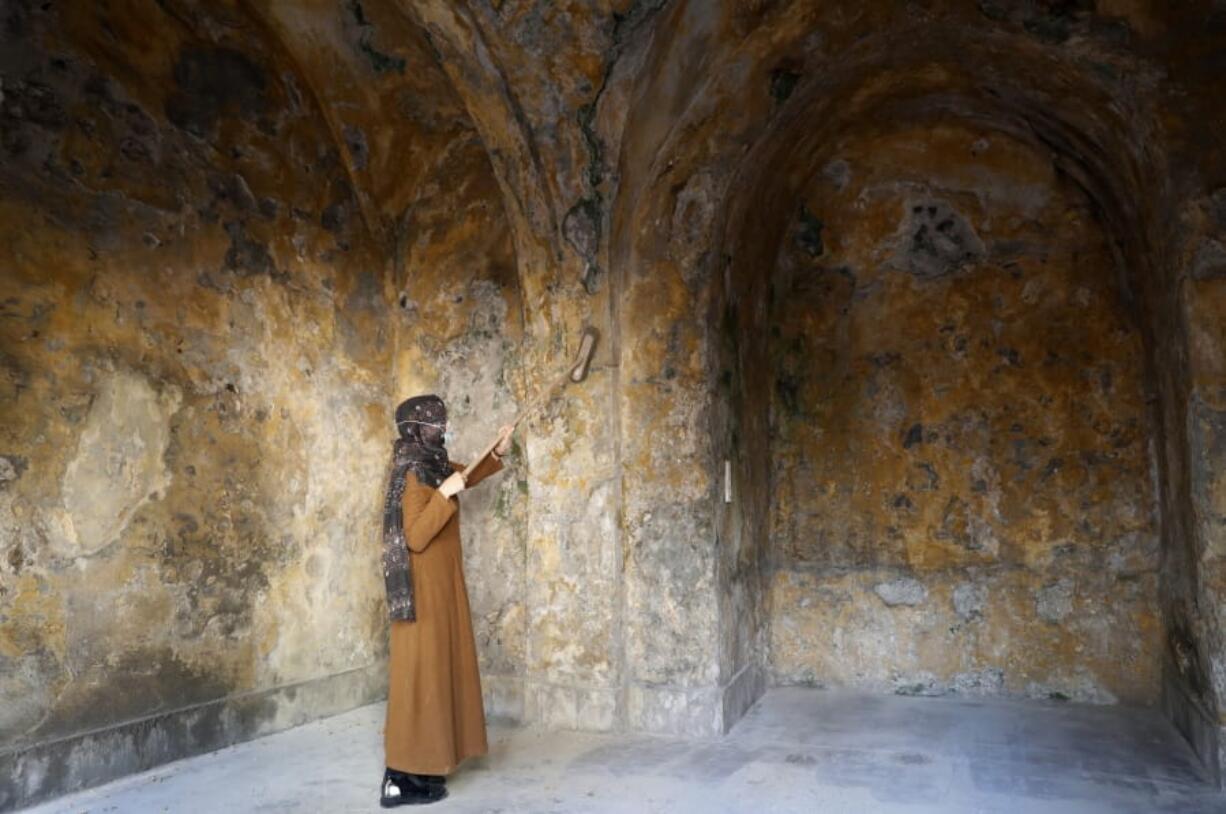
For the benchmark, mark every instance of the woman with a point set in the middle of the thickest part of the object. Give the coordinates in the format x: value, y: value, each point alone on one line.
x: 435, y: 717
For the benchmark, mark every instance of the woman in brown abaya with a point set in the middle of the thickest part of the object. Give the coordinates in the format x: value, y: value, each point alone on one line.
x: 435, y: 717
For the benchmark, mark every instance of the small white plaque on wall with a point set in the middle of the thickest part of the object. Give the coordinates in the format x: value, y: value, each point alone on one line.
x: 727, y: 480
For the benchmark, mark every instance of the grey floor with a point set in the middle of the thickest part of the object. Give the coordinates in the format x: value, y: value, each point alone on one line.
x: 797, y: 750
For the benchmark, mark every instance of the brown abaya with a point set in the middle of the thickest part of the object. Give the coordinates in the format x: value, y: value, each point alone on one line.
x: 435, y: 717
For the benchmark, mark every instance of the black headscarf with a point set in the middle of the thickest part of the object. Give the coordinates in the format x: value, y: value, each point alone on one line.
x: 429, y: 462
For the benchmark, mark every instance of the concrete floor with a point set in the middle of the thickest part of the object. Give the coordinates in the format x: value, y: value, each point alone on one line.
x: 798, y: 750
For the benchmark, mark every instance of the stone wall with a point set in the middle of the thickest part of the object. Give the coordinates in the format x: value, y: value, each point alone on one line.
x: 236, y: 233
x: 199, y: 326
x: 458, y: 329
x: 963, y: 476
x: 1193, y: 573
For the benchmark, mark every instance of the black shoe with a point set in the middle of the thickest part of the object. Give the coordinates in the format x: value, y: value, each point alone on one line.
x: 403, y: 789
x: 432, y: 779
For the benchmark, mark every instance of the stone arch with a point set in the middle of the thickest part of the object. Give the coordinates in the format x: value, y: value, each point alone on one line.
x: 694, y: 156
x: 204, y: 223
x: 1114, y: 153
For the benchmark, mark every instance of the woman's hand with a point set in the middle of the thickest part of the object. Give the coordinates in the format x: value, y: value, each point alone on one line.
x: 504, y: 442
x: 453, y: 485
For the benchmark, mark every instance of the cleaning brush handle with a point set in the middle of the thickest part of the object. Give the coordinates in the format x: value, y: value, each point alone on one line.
x: 532, y: 406
x: 577, y: 372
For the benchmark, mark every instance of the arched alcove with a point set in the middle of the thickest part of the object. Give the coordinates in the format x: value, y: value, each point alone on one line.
x: 909, y: 379
x: 234, y: 236
x: 960, y: 438
x: 1109, y: 173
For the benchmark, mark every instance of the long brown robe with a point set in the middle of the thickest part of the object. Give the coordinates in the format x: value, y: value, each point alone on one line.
x: 435, y: 717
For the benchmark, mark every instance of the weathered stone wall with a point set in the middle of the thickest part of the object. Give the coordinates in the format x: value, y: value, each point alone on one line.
x: 459, y: 328
x: 1193, y: 574
x: 962, y: 484
x: 238, y: 232
x: 197, y: 351
x: 759, y: 93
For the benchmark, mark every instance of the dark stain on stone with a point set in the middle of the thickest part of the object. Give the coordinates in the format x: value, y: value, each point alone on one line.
x: 1106, y: 380
x: 29, y: 112
x: 954, y: 524
x: 939, y: 241
x: 591, y: 278
x: 581, y: 226
x: 788, y: 388
x: 1209, y: 262
x: 1011, y: 356
x: 187, y: 523
x: 1209, y: 440
x: 914, y: 436
x: 12, y: 467
x: 334, y: 217
x: 135, y: 150
x: 94, y: 757
x: 16, y: 558
x: 627, y: 22
x: 809, y: 233
x: 926, y: 480
x: 1184, y: 654
x: 355, y: 141
x: 16, y: 19
x: 1217, y: 208
x: 232, y: 189
x: 992, y: 10
x: 214, y: 82
x: 269, y: 208
x: 1051, y: 21
x: 595, y: 148
x: 139, y: 683
x: 247, y: 256
x: 380, y: 61
x: 1023, y: 456
x: 1053, y: 466
x: 13, y: 378
x: 783, y: 82
x: 35, y: 103
x: 729, y: 330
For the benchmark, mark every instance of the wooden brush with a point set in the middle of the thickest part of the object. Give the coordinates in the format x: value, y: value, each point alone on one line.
x: 576, y: 372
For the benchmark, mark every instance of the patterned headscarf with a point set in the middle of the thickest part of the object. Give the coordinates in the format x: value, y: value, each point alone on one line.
x: 410, y: 453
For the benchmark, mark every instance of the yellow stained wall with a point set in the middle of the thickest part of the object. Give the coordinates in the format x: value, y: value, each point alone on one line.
x: 962, y: 485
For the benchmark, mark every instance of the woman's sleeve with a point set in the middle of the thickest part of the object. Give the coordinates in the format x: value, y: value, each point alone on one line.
x: 488, y: 466
x: 426, y: 511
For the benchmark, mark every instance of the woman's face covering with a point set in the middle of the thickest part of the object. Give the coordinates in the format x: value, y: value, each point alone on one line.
x: 434, y: 435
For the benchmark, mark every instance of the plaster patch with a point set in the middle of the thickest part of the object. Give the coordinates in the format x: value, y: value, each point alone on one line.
x: 1054, y: 602
x: 969, y: 601
x: 118, y: 464
x: 904, y: 591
